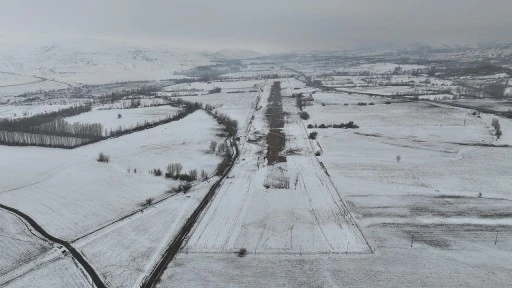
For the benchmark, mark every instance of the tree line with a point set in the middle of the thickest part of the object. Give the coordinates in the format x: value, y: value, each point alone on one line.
x: 50, y: 130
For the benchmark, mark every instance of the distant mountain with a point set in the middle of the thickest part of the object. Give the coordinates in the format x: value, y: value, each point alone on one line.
x: 95, y: 61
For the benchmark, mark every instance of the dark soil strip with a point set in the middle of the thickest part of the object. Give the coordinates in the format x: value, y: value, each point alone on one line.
x: 276, y: 140
x: 76, y: 255
x: 175, y: 245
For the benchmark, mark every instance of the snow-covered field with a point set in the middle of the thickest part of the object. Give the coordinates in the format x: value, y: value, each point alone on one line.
x: 19, y: 111
x: 18, y: 244
x: 139, y: 240
x: 130, y: 118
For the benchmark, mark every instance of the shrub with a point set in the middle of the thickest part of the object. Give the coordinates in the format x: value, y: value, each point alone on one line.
x: 119, y: 116
x: 398, y: 158
x: 313, y: 135
x: 322, y: 126
x: 185, y: 177
x: 371, y: 103
x: 351, y: 125
x: 362, y: 103
x: 242, y: 252
x: 157, y: 172
x: 103, y: 158
x: 184, y: 187
x: 215, y: 90
x: 310, y: 126
x: 304, y: 115
x: 148, y: 201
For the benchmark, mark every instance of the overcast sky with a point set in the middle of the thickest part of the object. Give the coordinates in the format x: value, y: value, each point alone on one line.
x: 267, y: 24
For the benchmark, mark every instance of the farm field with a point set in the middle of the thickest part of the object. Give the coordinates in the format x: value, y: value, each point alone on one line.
x: 130, y: 118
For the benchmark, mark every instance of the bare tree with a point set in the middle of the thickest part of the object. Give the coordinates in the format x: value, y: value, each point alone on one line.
x: 204, y: 175
x: 193, y: 174
x: 497, y: 128
x: 213, y: 146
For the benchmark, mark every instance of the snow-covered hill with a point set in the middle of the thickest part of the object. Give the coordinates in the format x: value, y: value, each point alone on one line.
x: 94, y: 61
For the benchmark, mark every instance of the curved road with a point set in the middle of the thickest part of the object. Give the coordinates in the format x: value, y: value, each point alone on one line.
x: 98, y: 282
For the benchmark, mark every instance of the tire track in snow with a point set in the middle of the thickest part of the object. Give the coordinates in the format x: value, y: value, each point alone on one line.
x: 312, y: 211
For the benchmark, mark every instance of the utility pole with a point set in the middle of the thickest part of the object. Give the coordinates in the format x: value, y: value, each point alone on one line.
x: 412, y: 239
x: 496, y: 240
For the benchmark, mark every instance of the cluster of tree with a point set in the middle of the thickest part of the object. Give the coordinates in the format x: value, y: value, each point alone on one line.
x: 61, y: 127
x: 25, y: 124
x: 468, y: 91
x: 221, y: 149
x: 422, y: 92
x: 134, y: 103
x: 174, y: 172
x: 496, y: 89
x: 230, y: 125
x: 114, y: 96
x: 50, y: 130
x: 215, y: 90
x: 31, y: 139
x: 349, y: 125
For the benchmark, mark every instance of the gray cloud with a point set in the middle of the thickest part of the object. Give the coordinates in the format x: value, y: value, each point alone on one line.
x: 268, y: 24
